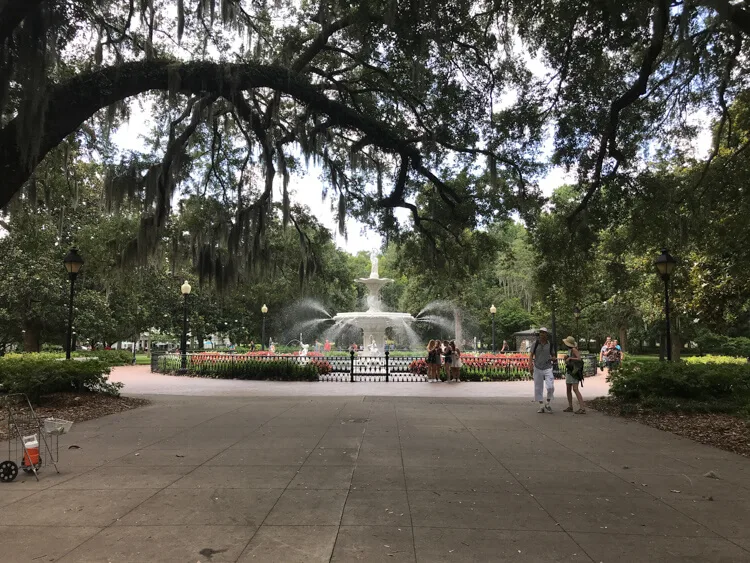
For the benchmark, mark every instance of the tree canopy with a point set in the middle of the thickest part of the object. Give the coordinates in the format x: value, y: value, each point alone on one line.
x: 387, y: 96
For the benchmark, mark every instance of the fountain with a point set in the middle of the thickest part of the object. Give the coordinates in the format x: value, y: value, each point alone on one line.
x: 374, y: 321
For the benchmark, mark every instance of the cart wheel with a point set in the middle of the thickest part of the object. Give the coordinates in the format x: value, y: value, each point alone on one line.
x: 8, y: 471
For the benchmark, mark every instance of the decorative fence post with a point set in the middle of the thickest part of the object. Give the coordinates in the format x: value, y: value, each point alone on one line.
x: 231, y: 367
x: 351, y: 369
x: 387, y: 373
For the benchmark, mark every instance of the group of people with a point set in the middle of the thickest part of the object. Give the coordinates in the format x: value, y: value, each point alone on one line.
x: 443, y: 353
x: 610, y: 355
x: 541, y: 360
x: 323, y: 347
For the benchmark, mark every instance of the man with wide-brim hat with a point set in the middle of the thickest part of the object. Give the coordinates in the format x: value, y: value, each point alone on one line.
x: 540, y: 368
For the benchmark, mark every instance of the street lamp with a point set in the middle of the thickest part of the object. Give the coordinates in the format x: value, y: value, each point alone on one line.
x: 73, y: 263
x: 553, y: 347
x: 185, y: 290
x: 665, y: 265
x: 577, y: 315
x: 493, y: 310
x: 263, y: 310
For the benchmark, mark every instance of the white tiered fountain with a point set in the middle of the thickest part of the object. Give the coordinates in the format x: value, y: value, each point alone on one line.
x: 374, y: 321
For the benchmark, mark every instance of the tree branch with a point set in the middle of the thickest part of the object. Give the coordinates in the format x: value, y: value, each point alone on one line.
x: 77, y: 100
x: 608, y: 143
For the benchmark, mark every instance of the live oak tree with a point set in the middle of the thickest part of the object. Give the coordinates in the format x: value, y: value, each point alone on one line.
x: 385, y: 96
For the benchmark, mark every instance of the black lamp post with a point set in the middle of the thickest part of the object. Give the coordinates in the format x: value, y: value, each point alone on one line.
x: 577, y: 315
x: 493, y: 310
x: 665, y: 265
x: 264, y: 311
x: 185, y: 290
x: 73, y: 263
x: 553, y: 348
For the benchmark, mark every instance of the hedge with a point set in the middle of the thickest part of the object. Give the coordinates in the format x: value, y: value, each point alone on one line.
x: 711, y: 343
x: 692, y: 381
x: 41, y: 374
x: 244, y: 367
x: 110, y: 357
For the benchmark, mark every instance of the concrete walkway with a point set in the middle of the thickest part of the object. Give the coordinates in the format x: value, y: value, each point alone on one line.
x: 140, y: 381
x: 289, y: 479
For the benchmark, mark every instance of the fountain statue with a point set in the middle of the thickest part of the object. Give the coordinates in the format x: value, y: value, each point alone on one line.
x: 374, y: 265
x: 304, y: 350
x: 374, y: 321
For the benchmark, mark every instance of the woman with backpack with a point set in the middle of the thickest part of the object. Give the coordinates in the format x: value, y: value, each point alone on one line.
x: 574, y: 375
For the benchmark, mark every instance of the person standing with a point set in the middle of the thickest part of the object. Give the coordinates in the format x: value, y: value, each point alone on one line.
x: 540, y: 368
x: 447, y: 359
x: 613, y: 356
x: 505, y: 348
x: 574, y: 375
x: 603, y: 353
x: 433, y: 361
x: 456, y: 364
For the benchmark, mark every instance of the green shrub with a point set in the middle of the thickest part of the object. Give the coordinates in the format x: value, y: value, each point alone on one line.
x: 710, y: 343
x: 40, y: 374
x: 110, y: 357
x: 638, y: 382
x: 715, y: 360
x: 239, y: 367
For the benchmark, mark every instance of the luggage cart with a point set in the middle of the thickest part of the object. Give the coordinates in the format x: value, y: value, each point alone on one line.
x: 32, y: 441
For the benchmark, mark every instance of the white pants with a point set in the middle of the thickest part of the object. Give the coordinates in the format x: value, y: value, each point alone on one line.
x: 542, y: 377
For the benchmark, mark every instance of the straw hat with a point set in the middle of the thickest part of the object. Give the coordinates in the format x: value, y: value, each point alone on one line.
x: 570, y: 341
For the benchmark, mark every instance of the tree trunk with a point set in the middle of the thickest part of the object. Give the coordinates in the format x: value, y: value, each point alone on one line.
x: 31, y: 340
x: 623, y: 337
x: 676, y: 347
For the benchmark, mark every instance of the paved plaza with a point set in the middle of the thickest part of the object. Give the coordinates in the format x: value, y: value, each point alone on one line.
x: 367, y: 478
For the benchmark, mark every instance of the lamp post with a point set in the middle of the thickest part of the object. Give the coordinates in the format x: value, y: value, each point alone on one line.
x: 553, y: 348
x: 665, y: 265
x: 73, y: 263
x: 493, y: 310
x: 185, y: 290
x: 577, y: 315
x: 263, y: 310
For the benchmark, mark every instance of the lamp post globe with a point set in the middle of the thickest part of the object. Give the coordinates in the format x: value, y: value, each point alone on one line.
x: 493, y: 310
x: 73, y: 264
x: 665, y: 264
x: 185, y: 290
x: 264, y: 311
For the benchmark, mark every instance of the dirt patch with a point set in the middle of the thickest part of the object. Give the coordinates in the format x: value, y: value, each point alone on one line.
x: 723, y: 431
x: 75, y: 407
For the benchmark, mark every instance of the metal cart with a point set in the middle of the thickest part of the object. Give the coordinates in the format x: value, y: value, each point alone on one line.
x: 32, y: 443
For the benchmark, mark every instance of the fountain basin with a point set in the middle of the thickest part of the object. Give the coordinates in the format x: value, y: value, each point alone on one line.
x: 374, y: 323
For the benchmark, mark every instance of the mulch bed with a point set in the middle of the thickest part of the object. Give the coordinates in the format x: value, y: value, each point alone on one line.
x: 75, y: 407
x: 723, y: 431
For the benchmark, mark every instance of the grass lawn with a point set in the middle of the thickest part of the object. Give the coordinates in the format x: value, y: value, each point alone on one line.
x: 642, y: 358
x: 142, y: 359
